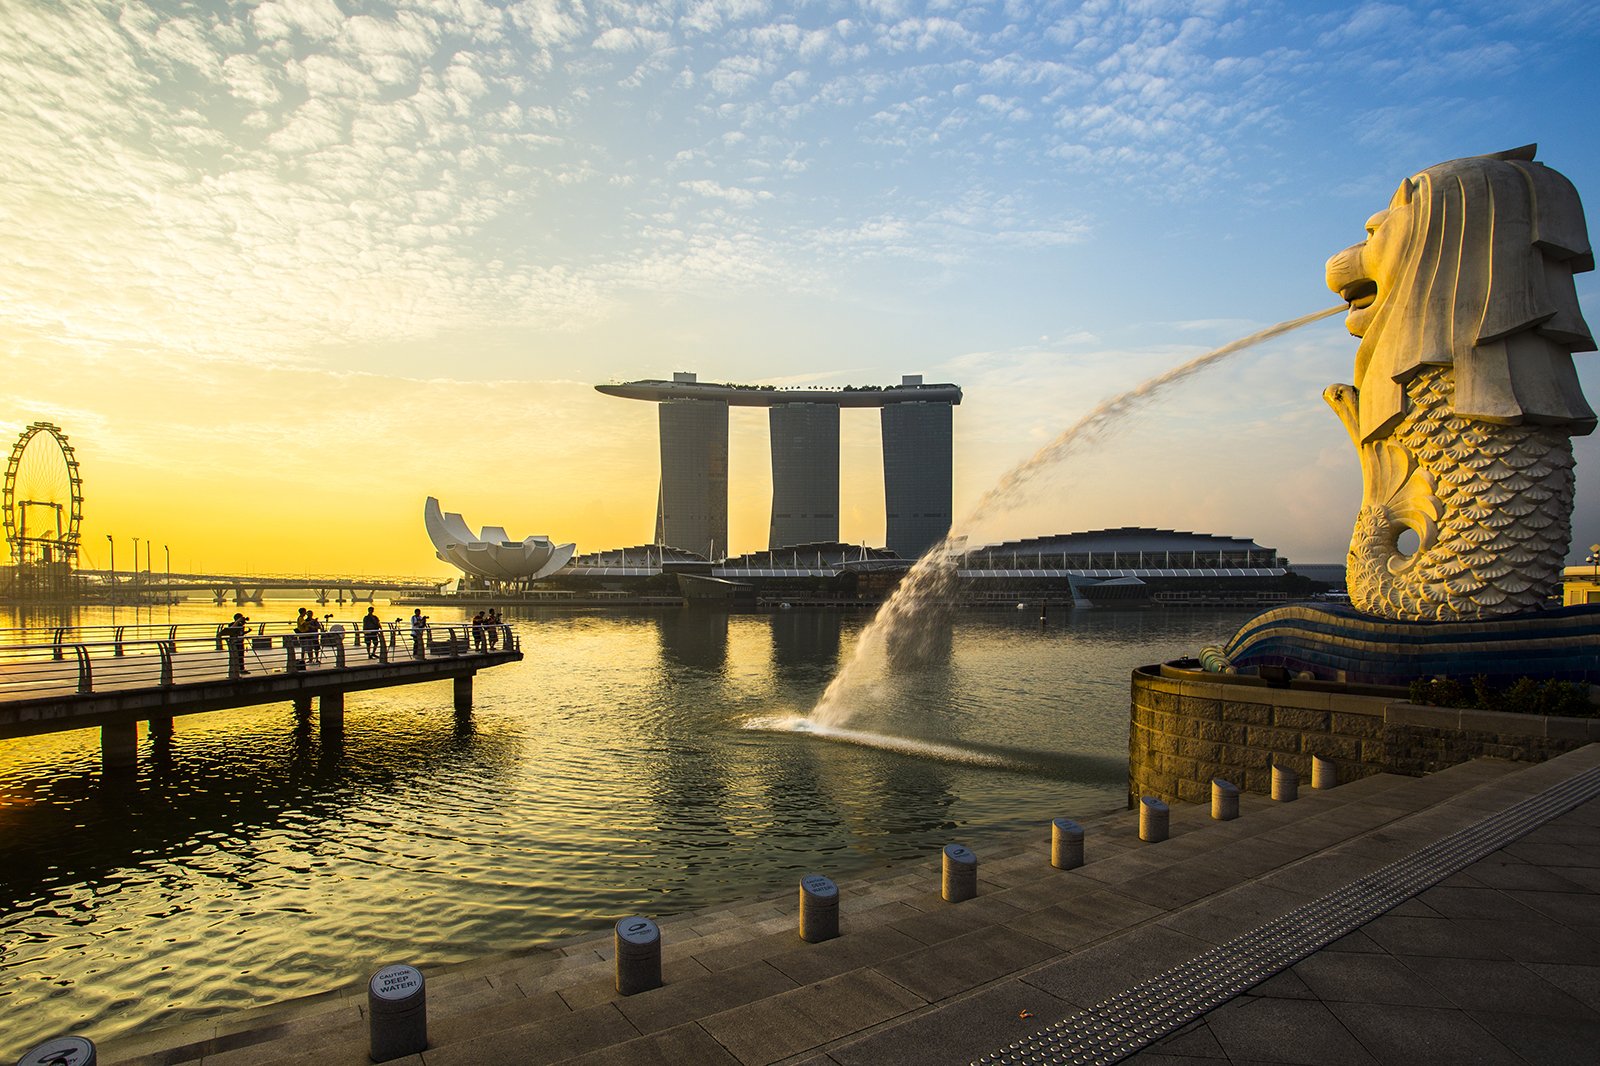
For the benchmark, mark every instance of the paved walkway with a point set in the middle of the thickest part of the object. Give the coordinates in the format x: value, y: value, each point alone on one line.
x: 1498, y: 962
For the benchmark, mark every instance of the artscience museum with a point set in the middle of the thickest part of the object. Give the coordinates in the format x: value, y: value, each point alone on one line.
x: 491, y: 555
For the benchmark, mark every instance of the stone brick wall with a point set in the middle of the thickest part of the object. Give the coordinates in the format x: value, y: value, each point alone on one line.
x: 1187, y: 727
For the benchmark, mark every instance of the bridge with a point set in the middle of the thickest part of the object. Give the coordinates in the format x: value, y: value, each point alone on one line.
x: 103, y: 677
x: 245, y: 588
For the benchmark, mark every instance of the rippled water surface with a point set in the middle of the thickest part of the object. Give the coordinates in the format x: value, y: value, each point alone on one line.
x: 632, y: 763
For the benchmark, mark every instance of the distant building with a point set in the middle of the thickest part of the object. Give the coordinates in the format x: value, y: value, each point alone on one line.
x: 692, y: 505
x: 805, y: 473
x: 491, y: 555
x: 1580, y: 584
x: 918, y: 476
x: 1132, y: 564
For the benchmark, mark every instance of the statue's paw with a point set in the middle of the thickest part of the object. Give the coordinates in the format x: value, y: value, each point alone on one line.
x: 1343, y: 399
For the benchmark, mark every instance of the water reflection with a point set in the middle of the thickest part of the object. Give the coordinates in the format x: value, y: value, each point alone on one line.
x: 251, y: 857
x: 805, y: 644
x: 73, y: 824
x: 695, y: 638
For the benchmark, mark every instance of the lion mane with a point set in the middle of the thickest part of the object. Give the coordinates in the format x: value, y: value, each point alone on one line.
x: 1483, y: 282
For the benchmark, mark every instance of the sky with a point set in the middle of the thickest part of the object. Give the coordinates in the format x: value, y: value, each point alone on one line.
x: 282, y: 270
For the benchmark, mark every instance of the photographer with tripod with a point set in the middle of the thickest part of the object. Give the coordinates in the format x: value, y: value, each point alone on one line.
x: 233, y: 633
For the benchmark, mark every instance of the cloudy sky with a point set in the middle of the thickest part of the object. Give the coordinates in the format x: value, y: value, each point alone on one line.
x: 283, y: 269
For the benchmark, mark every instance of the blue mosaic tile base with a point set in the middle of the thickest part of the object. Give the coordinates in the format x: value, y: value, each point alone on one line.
x: 1339, y: 643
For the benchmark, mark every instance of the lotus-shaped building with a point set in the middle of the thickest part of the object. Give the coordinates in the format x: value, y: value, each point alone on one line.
x: 491, y: 554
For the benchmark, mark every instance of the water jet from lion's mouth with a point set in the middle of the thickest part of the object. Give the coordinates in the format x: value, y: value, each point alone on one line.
x: 899, y: 623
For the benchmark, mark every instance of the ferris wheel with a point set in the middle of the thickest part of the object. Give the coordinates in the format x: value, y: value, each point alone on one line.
x: 43, y: 497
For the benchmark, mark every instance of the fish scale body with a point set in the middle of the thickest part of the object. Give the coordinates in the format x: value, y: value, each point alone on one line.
x: 1503, y: 500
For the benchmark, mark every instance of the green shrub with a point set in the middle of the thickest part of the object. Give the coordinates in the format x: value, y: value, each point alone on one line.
x: 1522, y: 696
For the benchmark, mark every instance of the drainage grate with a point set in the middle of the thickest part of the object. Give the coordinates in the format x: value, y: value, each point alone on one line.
x: 1119, y: 1026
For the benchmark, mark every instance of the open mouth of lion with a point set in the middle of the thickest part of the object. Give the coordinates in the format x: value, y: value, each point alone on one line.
x: 1359, y: 294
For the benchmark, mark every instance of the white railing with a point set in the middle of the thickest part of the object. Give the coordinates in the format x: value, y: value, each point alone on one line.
x: 67, y: 661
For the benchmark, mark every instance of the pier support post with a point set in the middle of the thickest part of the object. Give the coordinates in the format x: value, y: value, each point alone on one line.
x: 1066, y: 844
x: 1285, y: 784
x: 1224, y: 800
x: 819, y: 909
x: 302, y: 706
x: 330, y: 711
x: 638, y: 948
x: 1153, y: 820
x: 397, y: 1013
x: 161, y: 725
x: 119, y: 745
x: 464, y: 693
x: 1324, y: 773
x: 960, y: 880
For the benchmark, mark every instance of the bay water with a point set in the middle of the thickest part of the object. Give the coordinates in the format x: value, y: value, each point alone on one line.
x: 621, y: 768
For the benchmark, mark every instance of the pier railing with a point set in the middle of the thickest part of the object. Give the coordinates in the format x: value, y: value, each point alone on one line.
x: 89, y: 659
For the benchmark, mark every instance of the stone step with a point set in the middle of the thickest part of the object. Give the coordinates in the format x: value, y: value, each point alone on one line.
x: 741, y: 987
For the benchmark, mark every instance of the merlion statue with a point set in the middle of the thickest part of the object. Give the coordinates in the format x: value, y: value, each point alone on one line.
x: 1465, y: 398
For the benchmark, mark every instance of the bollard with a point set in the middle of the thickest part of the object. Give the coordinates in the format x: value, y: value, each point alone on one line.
x: 1152, y: 820
x: 960, y: 873
x: 62, y: 1051
x: 1224, y: 800
x: 1285, y: 784
x: 1066, y: 844
x: 638, y: 944
x: 819, y: 909
x: 1324, y: 772
x: 397, y: 1013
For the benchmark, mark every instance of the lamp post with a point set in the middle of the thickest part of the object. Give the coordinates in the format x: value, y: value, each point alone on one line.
x: 113, y: 559
x: 135, y: 560
x: 167, y: 549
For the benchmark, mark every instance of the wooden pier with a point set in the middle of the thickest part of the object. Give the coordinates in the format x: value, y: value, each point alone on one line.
x: 57, y: 683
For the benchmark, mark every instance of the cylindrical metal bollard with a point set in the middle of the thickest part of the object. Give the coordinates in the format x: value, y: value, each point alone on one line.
x: 1152, y: 820
x: 61, y: 1051
x: 1066, y: 844
x: 819, y: 909
x: 397, y: 1013
x: 638, y: 944
x: 1224, y: 800
x: 1324, y: 772
x: 1285, y: 784
x: 960, y: 873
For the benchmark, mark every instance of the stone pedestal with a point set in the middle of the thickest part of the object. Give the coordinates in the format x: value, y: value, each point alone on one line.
x: 1153, y: 820
x: 61, y: 1051
x: 1066, y: 844
x: 637, y: 941
x: 397, y: 1013
x: 1224, y: 800
x: 960, y: 880
x: 819, y: 909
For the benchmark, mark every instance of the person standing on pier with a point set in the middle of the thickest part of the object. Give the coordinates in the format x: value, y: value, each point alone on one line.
x: 313, y: 637
x: 492, y: 622
x: 419, y: 626
x: 233, y: 632
x: 372, y: 630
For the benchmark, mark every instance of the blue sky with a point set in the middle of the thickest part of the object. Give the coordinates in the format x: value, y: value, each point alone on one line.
x: 431, y: 225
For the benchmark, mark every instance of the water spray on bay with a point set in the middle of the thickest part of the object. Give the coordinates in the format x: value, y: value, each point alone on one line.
x: 899, y: 632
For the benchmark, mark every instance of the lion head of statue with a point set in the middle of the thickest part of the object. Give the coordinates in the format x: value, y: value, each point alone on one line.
x: 1471, y: 266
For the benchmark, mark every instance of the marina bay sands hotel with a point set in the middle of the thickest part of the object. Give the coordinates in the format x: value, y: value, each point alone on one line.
x: 692, y: 506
